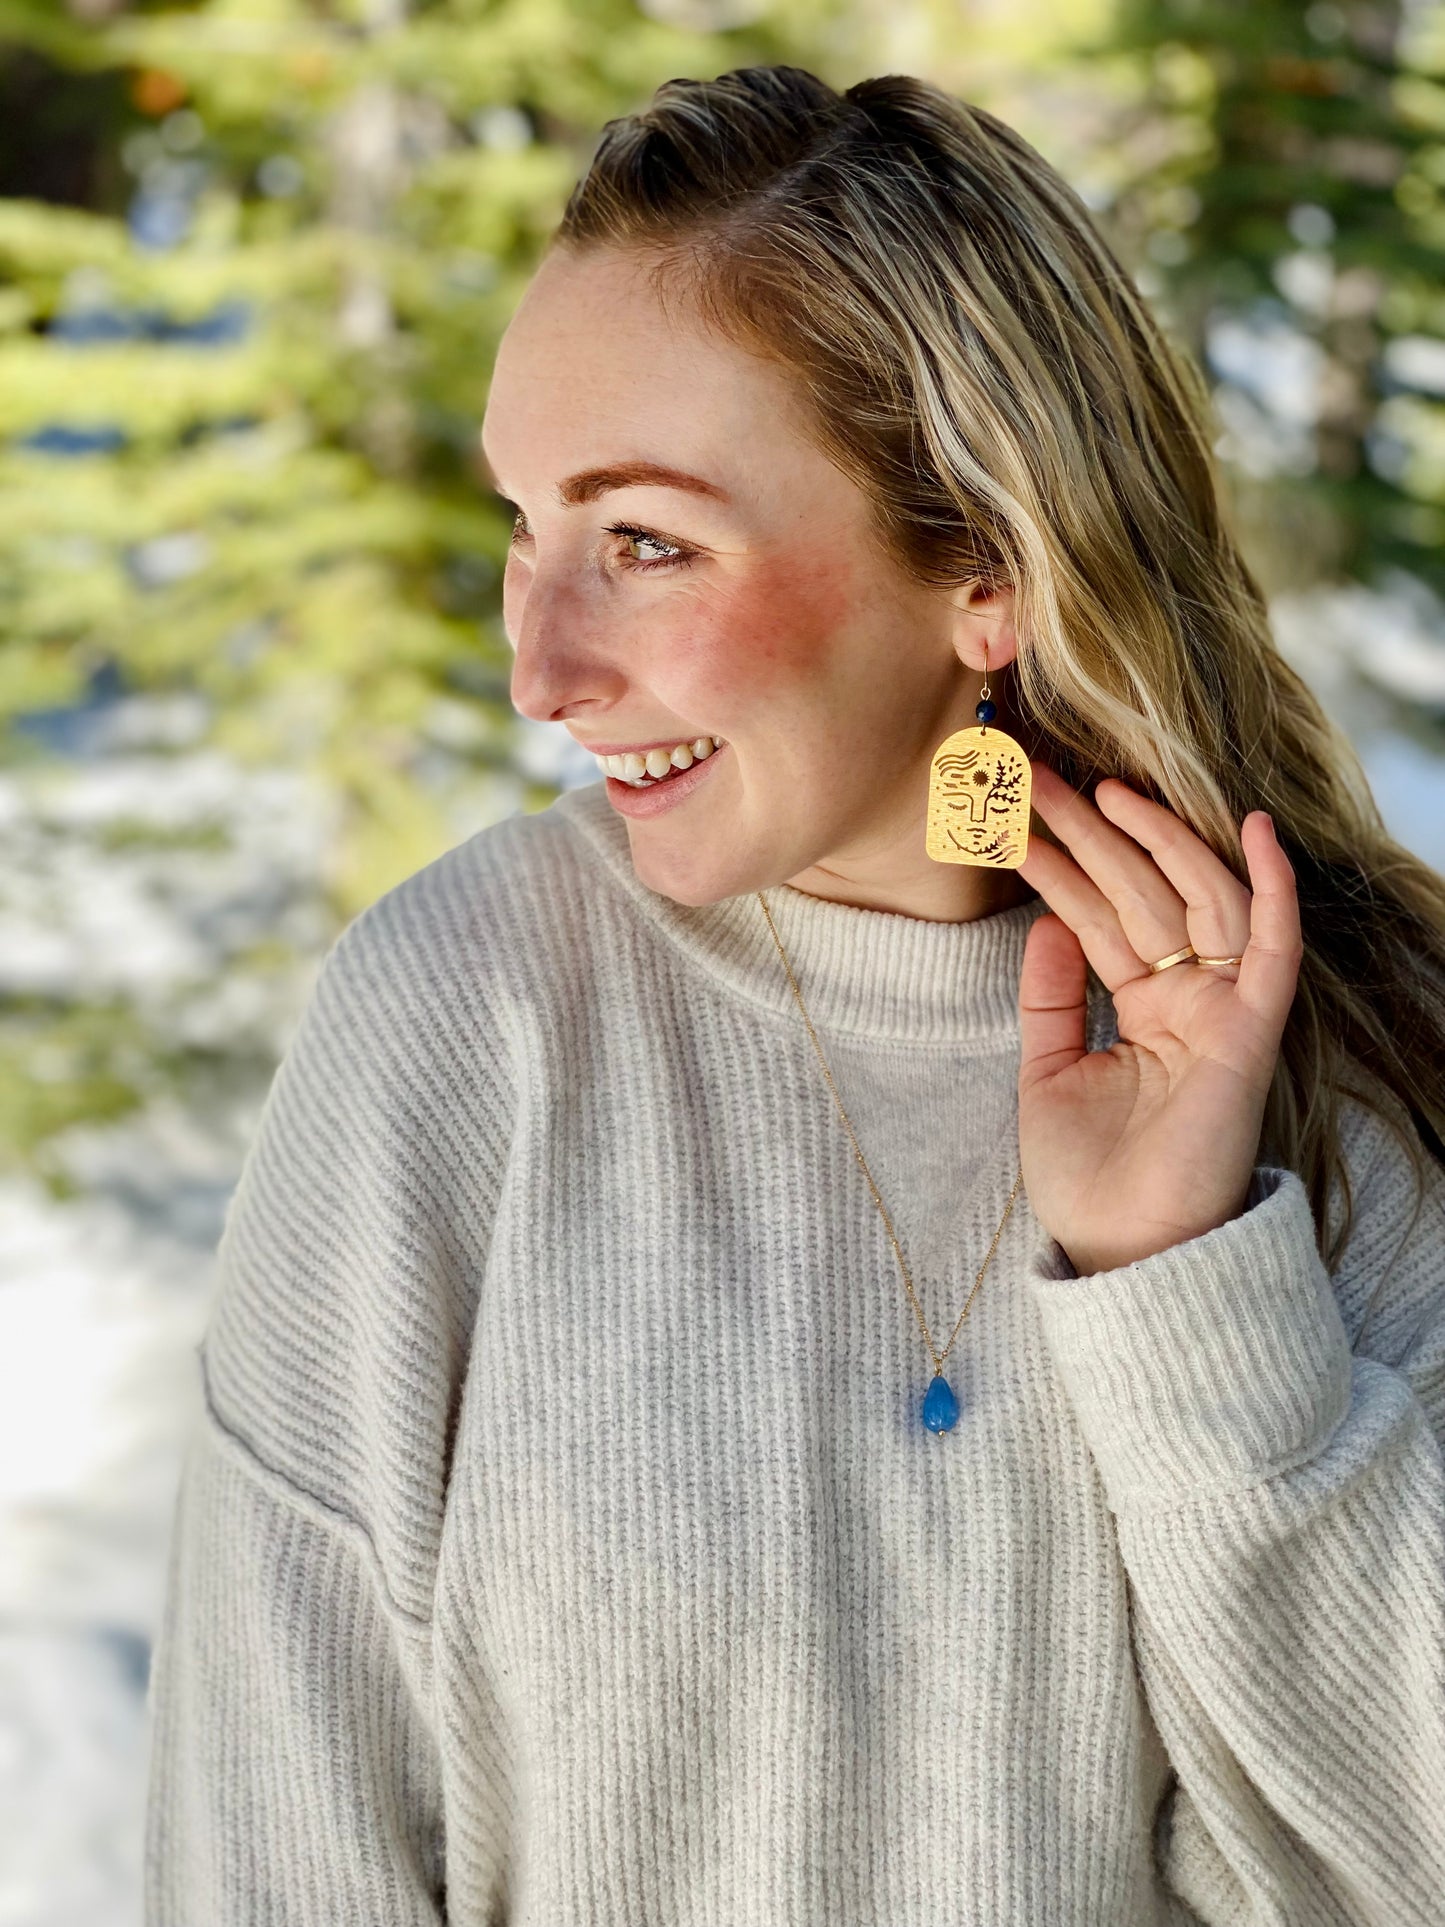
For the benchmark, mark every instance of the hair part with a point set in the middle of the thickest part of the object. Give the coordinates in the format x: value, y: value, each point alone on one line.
x: 977, y: 360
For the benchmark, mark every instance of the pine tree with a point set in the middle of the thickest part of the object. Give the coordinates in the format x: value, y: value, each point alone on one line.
x: 1283, y: 168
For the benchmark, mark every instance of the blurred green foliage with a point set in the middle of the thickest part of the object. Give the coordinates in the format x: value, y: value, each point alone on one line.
x: 289, y: 517
x: 1288, y: 160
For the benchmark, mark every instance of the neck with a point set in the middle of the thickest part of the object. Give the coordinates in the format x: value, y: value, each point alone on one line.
x: 936, y: 892
x: 949, y: 981
x: 883, y: 864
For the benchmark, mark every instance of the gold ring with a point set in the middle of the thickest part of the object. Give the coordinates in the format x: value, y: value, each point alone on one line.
x: 1176, y: 956
x: 1219, y: 960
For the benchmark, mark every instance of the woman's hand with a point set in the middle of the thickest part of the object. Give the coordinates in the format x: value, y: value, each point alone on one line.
x: 1130, y: 1150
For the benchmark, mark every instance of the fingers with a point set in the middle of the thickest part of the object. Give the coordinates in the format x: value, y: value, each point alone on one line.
x: 1052, y: 1003
x: 1136, y: 888
x: 1082, y: 905
x: 1217, y: 903
x: 1272, y: 957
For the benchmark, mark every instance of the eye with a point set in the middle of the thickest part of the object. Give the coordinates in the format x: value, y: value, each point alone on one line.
x: 676, y: 556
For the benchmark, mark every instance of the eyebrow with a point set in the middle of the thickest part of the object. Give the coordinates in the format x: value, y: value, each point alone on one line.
x: 589, y: 483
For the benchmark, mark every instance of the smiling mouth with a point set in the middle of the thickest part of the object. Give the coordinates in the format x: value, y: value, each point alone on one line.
x: 622, y: 768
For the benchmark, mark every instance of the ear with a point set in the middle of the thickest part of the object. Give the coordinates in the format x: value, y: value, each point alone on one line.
x: 983, y: 612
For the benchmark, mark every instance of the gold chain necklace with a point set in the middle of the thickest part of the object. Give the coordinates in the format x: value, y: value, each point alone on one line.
x: 940, y: 1405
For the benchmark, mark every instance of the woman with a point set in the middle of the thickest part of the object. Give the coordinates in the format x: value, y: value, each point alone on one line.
x: 584, y: 1525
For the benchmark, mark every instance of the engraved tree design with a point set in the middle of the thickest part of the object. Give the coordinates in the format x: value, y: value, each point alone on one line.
x: 1007, y: 784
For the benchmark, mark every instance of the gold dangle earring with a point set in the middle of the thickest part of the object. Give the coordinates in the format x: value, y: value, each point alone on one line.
x: 978, y: 794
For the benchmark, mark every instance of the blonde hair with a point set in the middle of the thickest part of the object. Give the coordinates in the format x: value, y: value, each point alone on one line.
x: 979, y: 363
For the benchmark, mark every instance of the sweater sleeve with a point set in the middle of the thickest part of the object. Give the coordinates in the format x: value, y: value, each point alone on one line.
x: 295, y: 1776
x: 295, y: 1770
x: 1276, y: 1480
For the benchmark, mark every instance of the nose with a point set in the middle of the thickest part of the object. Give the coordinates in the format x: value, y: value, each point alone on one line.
x: 565, y: 656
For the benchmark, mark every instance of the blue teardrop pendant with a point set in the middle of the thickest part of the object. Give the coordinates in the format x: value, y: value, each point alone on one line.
x: 940, y: 1407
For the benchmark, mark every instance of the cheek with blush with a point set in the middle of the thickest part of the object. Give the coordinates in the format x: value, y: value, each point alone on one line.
x: 766, y: 639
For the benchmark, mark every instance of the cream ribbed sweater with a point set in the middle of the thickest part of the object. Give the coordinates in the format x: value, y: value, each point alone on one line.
x: 562, y: 1548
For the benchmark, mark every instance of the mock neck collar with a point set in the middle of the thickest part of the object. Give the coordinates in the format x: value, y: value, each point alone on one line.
x: 872, y: 973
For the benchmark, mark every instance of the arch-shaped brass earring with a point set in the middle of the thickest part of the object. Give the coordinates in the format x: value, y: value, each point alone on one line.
x: 979, y: 785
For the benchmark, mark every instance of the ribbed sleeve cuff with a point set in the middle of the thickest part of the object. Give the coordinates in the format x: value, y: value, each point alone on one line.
x: 1207, y: 1367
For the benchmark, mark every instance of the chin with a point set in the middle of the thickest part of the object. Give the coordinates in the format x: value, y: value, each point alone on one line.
x: 684, y: 882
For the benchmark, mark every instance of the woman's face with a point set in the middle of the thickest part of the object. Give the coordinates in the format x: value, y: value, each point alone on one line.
x: 765, y: 613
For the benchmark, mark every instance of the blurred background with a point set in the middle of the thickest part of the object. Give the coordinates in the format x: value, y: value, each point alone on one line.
x: 255, y: 256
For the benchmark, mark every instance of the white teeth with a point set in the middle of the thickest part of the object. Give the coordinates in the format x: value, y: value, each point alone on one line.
x: 635, y: 767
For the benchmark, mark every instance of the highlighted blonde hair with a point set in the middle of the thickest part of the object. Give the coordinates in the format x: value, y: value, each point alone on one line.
x: 977, y: 360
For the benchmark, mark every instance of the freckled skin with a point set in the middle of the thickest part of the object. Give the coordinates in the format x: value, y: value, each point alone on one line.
x: 777, y: 626
x: 831, y: 677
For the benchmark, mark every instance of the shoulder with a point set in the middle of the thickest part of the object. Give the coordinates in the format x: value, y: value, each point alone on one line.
x: 471, y: 911
x: 358, y: 1233
x: 1380, y: 1146
x: 1389, y: 1278
x: 445, y: 962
